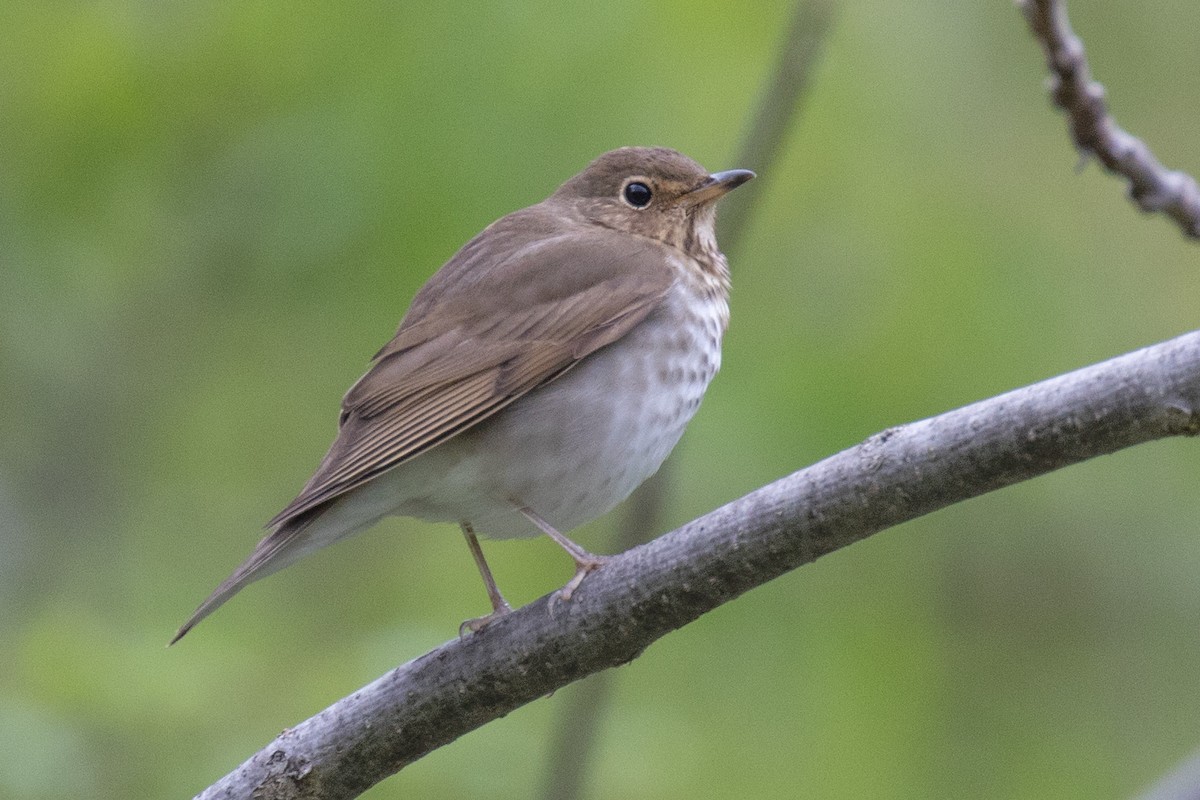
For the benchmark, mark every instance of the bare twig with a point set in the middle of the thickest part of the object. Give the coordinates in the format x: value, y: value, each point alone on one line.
x: 778, y: 108
x: 1151, y: 185
x: 640, y: 595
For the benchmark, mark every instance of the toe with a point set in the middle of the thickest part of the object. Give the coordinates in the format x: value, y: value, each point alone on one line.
x: 477, y: 624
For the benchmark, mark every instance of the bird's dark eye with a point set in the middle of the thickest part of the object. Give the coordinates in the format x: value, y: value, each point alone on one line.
x: 638, y: 194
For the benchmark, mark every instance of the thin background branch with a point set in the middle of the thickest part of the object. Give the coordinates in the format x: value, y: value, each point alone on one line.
x: 776, y: 114
x: 579, y: 716
x: 1151, y: 185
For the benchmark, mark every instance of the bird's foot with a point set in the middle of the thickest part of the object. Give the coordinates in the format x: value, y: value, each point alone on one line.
x: 479, y: 623
x: 585, y: 564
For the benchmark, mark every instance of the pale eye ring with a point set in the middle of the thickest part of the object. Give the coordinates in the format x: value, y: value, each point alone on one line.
x: 637, y: 194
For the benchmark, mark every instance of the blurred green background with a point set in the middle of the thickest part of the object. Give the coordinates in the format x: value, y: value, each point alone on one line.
x: 211, y: 214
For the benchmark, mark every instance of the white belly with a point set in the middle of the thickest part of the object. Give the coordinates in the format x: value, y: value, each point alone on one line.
x: 574, y: 448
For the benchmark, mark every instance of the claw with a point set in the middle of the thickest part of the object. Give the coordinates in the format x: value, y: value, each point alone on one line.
x: 583, y: 568
x: 479, y: 623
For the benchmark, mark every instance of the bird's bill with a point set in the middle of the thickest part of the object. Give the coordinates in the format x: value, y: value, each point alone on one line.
x: 718, y: 184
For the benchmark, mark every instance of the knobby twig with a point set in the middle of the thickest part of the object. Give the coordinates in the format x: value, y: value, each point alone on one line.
x: 778, y: 107
x: 640, y: 595
x: 1151, y: 185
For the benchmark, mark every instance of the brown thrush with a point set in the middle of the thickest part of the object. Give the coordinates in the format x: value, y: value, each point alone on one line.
x: 539, y: 376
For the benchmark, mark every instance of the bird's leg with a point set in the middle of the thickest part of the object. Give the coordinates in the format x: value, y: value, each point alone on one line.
x: 585, y: 562
x: 500, y: 606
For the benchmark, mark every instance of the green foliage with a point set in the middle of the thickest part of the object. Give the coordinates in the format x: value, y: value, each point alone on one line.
x: 212, y: 213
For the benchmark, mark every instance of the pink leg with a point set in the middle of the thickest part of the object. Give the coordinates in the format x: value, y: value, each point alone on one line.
x: 585, y: 562
x: 500, y: 606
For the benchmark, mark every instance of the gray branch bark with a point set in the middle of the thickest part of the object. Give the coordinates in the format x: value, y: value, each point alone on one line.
x: 1153, y: 187
x: 646, y: 592
x: 1182, y: 783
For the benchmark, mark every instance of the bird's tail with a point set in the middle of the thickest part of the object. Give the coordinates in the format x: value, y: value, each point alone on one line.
x: 290, y: 541
x: 278, y: 549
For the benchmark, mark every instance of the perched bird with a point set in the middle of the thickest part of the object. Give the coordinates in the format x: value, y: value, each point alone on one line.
x: 537, y: 379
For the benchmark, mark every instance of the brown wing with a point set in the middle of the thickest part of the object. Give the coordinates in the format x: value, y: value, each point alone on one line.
x: 513, y: 310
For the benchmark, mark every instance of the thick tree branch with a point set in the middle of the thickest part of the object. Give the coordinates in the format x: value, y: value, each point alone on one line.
x: 642, y: 594
x: 1151, y: 185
